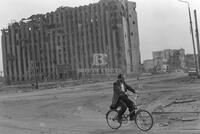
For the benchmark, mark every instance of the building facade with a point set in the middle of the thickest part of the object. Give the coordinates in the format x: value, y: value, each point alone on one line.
x: 58, y: 44
x: 189, y: 61
x: 163, y: 55
x: 148, y: 65
x: 172, y: 59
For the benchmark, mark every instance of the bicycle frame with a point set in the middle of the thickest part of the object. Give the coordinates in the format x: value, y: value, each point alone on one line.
x: 128, y: 115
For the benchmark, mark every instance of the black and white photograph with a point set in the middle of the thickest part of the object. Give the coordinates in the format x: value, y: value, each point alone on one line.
x: 99, y: 67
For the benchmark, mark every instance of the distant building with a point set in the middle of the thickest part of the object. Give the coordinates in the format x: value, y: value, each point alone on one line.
x: 169, y: 59
x: 162, y: 55
x: 148, y: 64
x: 57, y: 45
x: 189, y: 61
x: 182, y: 58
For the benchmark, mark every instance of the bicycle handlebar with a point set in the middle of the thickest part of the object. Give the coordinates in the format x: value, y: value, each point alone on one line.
x: 135, y: 94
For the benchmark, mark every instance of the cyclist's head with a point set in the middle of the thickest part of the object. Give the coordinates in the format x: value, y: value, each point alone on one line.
x: 121, y: 77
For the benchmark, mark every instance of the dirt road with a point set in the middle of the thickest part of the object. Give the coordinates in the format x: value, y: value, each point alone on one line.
x: 81, y: 109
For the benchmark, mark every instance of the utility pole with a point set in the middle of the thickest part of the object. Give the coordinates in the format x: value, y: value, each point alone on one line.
x: 197, y: 36
x: 191, y: 28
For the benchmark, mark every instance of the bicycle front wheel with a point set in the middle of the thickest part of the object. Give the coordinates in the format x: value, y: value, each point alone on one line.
x: 144, y: 120
x: 112, y: 119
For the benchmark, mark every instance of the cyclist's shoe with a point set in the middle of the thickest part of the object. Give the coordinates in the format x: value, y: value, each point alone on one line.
x: 132, y: 117
x: 119, y: 119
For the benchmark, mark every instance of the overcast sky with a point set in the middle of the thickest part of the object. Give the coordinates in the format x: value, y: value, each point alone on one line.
x: 163, y: 24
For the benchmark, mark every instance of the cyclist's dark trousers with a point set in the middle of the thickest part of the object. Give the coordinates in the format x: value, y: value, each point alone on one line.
x: 125, y: 102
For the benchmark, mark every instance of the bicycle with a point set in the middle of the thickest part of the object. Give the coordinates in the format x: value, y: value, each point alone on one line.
x: 143, y: 118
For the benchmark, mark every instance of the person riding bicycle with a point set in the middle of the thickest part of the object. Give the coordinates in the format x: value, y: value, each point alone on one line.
x: 120, y: 97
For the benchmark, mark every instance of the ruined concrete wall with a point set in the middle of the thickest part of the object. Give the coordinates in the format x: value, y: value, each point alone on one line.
x: 133, y: 37
x: 55, y: 45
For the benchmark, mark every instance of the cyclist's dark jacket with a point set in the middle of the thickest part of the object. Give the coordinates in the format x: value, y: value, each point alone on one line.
x: 118, y: 91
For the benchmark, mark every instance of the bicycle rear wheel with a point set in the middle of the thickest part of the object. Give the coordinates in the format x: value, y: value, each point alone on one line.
x: 144, y: 120
x: 112, y: 119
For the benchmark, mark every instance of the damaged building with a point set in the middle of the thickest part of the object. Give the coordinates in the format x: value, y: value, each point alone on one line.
x: 56, y: 45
